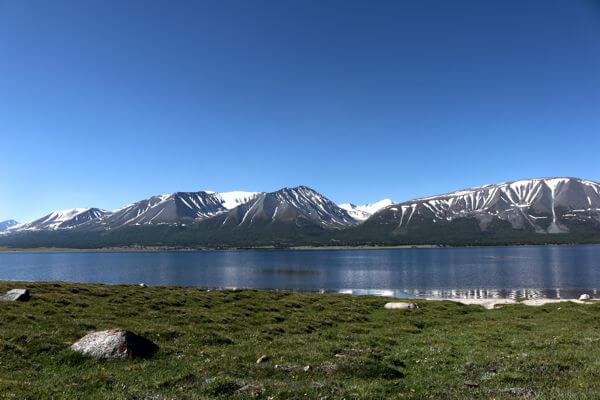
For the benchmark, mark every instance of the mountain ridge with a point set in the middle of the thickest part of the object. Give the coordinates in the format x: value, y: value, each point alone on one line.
x: 542, y: 205
x: 555, y: 209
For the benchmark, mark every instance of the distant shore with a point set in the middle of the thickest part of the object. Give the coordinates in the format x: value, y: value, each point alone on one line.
x: 150, y: 249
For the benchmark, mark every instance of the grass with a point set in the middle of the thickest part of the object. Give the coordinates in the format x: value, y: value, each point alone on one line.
x: 210, y: 341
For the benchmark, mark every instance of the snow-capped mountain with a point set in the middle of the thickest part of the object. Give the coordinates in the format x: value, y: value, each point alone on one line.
x: 4, y: 225
x: 560, y: 210
x: 180, y: 207
x: 546, y: 205
x: 299, y: 206
x: 176, y: 208
x: 62, y: 219
x: 362, y: 212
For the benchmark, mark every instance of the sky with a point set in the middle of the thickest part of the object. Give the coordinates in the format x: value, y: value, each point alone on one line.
x: 103, y: 103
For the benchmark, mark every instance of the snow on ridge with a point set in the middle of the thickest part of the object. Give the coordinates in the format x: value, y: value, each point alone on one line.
x: 63, y: 215
x: 234, y: 198
x: 116, y: 210
x: 513, y: 184
x: 50, y: 221
x: 165, y: 196
x: 505, y: 199
x: 362, y: 212
x: 374, y: 207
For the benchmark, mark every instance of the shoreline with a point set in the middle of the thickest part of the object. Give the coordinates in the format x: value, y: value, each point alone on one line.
x: 490, y: 304
x: 487, y: 303
x: 158, y: 249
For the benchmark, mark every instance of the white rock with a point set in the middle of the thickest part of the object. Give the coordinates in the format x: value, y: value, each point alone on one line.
x: 142, y: 285
x: 114, y: 344
x: 16, y: 295
x: 262, y: 359
x: 584, y: 296
x: 401, y: 306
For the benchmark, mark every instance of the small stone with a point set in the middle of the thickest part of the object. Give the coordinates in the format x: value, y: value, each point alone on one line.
x: 471, y: 384
x: 142, y: 284
x: 307, y: 368
x: 329, y: 368
x: 114, y: 344
x: 584, y: 296
x: 521, y: 392
x: 15, y: 295
x: 262, y: 359
x: 252, y: 389
x: 401, y: 306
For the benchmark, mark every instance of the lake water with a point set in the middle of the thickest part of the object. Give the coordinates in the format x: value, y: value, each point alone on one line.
x: 517, y: 272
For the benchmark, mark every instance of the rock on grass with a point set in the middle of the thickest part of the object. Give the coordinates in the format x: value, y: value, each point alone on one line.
x: 115, y: 344
x: 15, y: 295
x: 262, y: 359
x: 400, y: 306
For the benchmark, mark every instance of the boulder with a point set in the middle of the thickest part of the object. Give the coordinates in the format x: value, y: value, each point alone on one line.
x: 401, y: 306
x: 115, y: 344
x: 584, y: 296
x: 16, y: 295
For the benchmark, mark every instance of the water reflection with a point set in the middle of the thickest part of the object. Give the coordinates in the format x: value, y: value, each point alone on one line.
x: 494, y: 272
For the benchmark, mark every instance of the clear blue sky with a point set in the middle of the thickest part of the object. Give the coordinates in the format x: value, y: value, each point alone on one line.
x: 107, y: 102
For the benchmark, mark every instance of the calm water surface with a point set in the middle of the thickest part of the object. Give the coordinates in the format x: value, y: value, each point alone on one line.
x: 526, y: 271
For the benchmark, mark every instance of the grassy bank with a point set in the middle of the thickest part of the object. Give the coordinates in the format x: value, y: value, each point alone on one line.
x: 209, y: 343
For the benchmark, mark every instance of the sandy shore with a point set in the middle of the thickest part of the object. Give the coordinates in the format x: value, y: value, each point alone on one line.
x: 491, y: 303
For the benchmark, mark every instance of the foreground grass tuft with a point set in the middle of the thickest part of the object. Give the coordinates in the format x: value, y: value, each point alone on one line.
x: 319, y: 346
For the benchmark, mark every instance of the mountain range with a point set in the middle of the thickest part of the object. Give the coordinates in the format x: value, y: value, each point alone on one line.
x: 542, y: 210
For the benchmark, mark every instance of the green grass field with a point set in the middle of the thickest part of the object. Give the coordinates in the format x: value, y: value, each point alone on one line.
x: 210, y: 341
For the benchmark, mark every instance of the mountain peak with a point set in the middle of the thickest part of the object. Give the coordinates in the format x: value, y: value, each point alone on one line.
x: 9, y: 223
x: 298, y: 206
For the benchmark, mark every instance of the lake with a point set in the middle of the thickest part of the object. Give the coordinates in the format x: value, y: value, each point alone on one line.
x: 516, y: 272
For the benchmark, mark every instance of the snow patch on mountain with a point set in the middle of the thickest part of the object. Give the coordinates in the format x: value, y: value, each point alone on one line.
x: 235, y: 198
x: 362, y: 212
